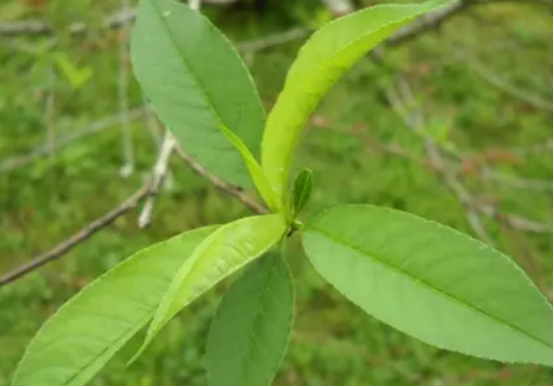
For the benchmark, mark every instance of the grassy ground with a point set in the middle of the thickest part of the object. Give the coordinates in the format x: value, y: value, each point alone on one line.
x: 463, y: 80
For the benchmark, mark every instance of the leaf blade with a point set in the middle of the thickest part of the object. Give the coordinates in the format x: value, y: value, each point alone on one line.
x: 226, y: 250
x: 481, y: 303
x: 181, y: 62
x: 46, y: 355
x: 256, y: 172
x: 302, y: 190
x: 328, y: 53
x: 254, y: 319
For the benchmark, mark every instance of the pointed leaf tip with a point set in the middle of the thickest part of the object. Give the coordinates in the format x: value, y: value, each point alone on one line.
x: 432, y: 282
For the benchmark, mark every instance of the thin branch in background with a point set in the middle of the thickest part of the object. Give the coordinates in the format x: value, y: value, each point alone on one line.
x: 125, y: 15
x: 122, y: 87
x: 155, y: 131
x: 516, y: 182
x: 339, y: 7
x: 63, y: 141
x: 139, y: 112
x: 433, y: 20
x: 118, y: 19
x: 37, y: 27
x: 125, y: 207
x: 159, y: 173
x: 400, y: 102
x: 515, y: 222
x: 222, y: 185
x: 161, y: 166
x: 534, y: 149
x: 77, y: 238
x: 194, y: 4
x: 509, y: 88
x: 429, y: 21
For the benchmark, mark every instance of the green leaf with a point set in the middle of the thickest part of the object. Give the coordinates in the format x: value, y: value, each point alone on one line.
x: 197, y: 84
x: 76, y: 76
x: 320, y: 63
x: 432, y: 282
x: 302, y: 190
x: 225, y: 251
x: 249, y: 335
x: 256, y: 172
x: 88, y: 330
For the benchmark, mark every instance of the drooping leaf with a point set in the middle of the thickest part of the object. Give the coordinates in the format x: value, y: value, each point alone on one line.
x: 322, y: 60
x: 432, y: 282
x: 197, y: 84
x: 225, y: 251
x: 90, y: 328
x: 302, y: 190
x: 249, y: 335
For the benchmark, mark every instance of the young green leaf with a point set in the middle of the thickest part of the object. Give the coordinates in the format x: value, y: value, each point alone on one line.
x: 256, y: 172
x: 248, y: 337
x: 197, y: 84
x: 302, y: 190
x: 432, y: 282
x: 321, y: 61
x: 75, y: 75
x: 88, y: 330
x: 218, y: 256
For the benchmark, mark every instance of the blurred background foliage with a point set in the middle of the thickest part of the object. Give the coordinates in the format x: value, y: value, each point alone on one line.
x: 478, y: 89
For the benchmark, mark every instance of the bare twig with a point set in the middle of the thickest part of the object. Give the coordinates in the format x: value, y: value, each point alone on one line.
x: 414, y: 120
x: 63, y: 141
x: 227, y: 188
x: 161, y: 166
x: 473, y: 209
x: 509, y: 88
x: 126, y: 15
x: 339, y: 7
x: 159, y: 173
x: 515, y: 222
x: 77, y: 238
x: 130, y: 203
x: 533, y: 149
x: 435, y: 19
x: 37, y: 27
x: 116, y: 20
x: 122, y: 88
x: 516, y: 182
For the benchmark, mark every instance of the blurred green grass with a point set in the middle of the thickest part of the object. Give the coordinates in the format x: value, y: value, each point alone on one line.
x: 333, y: 342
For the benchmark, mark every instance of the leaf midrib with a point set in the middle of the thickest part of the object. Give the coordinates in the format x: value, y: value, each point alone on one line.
x: 317, y: 67
x: 185, y: 62
x: 429, y: 286
x: 131, y: 328
x: 256, y: 323
x: 334, y: 54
